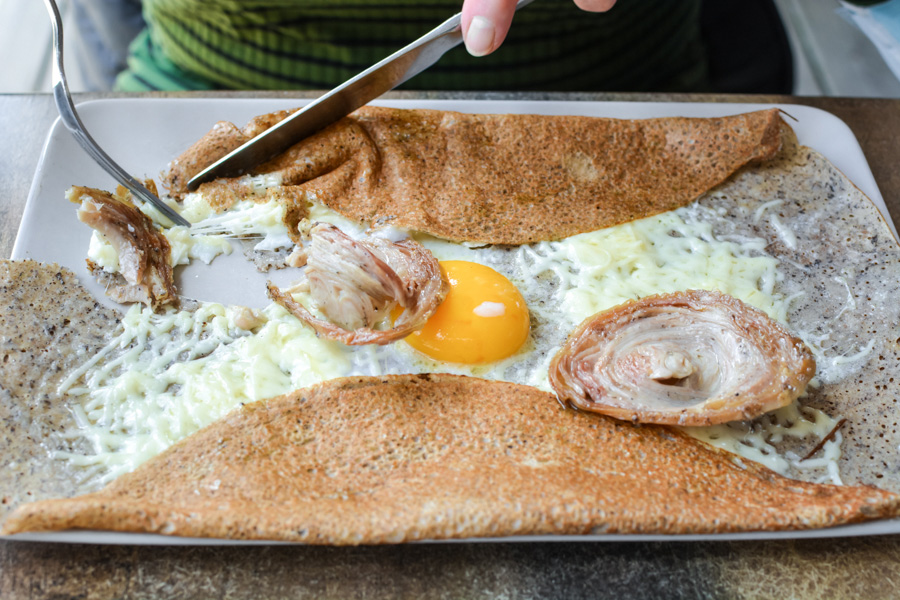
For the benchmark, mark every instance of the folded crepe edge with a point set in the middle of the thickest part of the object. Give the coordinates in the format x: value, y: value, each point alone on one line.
x: 248, y: 476
x: 574, y: 168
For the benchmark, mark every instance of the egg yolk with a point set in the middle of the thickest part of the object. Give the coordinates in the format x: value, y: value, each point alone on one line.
x: 483, y: 318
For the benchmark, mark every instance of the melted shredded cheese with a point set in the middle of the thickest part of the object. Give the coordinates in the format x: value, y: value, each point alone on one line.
x: 755, y: 440
x: 247, y: 219
x: 166, y: 376
x: 658, y: 255
x: 210, y: 231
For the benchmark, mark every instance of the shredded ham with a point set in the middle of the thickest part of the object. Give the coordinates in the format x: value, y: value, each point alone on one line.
x: 356, y: 284
x: 146, y: 275
x: 688, y: 358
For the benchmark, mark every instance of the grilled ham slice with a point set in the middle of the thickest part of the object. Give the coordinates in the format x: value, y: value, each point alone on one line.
x: 356, y: 284
x: 146, y: 275
x: 688, y: 358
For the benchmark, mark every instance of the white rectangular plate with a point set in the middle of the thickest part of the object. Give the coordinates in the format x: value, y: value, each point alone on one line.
x: 143, y: 135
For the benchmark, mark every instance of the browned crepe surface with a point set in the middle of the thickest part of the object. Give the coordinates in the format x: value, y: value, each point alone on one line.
x: 502, y: 179
x: 407, y: 457
x: 221, y: 139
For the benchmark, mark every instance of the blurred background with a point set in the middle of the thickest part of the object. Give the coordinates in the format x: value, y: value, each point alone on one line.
x: 832, y: 56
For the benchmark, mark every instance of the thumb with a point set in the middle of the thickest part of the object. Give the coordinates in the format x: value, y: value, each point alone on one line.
x: 595, y: 5
x: 485, y: 24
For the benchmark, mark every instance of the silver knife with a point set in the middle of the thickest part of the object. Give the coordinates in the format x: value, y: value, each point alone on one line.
x: 341, y: 101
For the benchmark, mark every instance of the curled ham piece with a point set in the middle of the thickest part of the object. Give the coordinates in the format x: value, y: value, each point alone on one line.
x: 688, y: 358
x: 356, y: 283
x: 146, y: 275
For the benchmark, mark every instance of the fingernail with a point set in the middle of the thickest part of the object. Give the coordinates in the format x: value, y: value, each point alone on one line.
x: 480, y: 36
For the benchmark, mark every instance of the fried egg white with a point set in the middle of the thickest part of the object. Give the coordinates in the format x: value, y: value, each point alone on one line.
x: 167, y: 375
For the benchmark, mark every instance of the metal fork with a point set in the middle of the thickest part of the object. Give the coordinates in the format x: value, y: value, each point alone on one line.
x: 73, y: 123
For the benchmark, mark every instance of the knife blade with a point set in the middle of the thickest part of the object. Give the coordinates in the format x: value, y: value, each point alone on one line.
x: 341, y: 101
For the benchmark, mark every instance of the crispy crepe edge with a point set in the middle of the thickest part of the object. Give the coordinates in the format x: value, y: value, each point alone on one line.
x: 285, y: 469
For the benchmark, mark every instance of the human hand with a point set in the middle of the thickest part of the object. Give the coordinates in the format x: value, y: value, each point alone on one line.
x: 486, y: 22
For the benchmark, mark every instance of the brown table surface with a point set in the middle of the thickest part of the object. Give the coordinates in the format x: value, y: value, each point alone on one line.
x: 822, y: 568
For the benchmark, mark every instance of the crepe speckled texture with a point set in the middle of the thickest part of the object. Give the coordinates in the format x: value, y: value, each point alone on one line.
x: 49, y: 325
x: 498, y: 179
x: 408, y: 457
x: 842, y: 267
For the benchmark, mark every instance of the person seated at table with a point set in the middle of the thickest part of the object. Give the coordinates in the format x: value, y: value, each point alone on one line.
x: 552, y: 45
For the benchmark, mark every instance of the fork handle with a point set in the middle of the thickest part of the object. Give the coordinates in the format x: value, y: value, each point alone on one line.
x: 73, y: 123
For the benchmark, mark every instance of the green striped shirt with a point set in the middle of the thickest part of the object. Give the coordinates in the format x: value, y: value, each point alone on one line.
x: 640, y: 45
